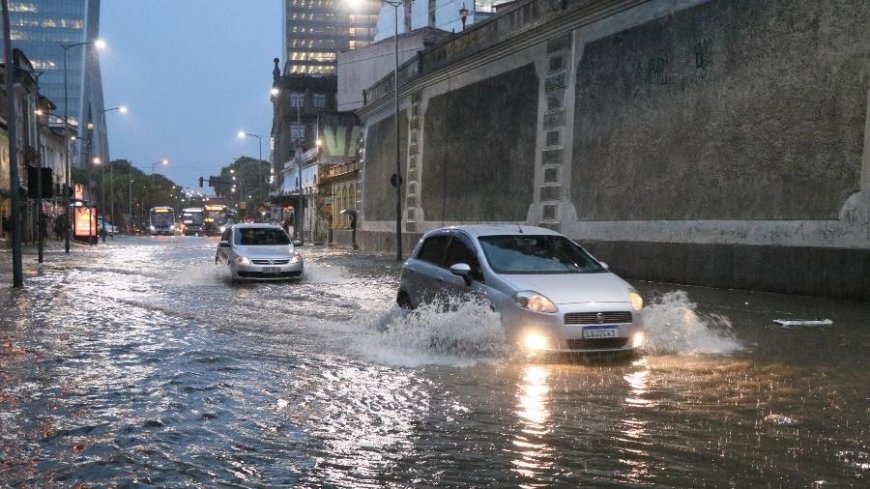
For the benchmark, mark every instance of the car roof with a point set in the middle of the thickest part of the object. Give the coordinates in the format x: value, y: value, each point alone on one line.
x: 478, y: 230
x: 255, y: 225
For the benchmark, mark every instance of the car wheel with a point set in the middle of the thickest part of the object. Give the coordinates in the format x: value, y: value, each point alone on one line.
x: 403, y: 301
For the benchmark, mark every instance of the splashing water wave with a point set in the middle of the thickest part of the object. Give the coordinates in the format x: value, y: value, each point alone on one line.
x: 674, y: 326
x: 446, y: 332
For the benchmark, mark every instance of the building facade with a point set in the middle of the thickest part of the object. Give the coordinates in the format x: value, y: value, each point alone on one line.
x: 40, y: 28
x: 314, y: 31
x: 446, y: 15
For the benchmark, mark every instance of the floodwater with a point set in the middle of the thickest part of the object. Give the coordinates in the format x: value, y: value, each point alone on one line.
x: 137, y: 363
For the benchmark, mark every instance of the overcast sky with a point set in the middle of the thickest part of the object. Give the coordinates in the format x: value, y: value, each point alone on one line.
x: 193, y: 73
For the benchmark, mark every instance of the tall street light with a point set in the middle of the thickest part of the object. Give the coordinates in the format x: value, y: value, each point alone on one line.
x: 99, y: 44
x: 123, y: 110
x: 396, y: 179
x: 241, y: 135
x: 17, y: 271
x: 163, y: 162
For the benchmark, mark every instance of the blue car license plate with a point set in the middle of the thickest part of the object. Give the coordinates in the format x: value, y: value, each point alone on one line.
x: 600, y: 332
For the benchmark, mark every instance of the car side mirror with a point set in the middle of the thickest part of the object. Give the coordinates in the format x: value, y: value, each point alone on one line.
x: 604, y: 265
x: 297, y: 243
x: 463, y: 270
x: 223, y: 244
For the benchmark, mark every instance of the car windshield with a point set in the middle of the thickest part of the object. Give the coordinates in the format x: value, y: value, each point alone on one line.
x: 537, y: 254
x: 261, y: 236
x: 161, y: 219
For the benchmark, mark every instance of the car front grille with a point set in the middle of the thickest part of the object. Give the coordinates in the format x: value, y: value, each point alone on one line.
x: 612, y: 317
x: 597, y: 343
x: 264, y: 261
x: 269, y: 275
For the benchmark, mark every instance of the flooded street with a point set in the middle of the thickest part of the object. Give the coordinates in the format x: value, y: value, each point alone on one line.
x: 138, y: 363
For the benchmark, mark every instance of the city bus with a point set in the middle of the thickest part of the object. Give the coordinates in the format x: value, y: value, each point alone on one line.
x: 217, y: 218
x: 161, y: 220
x: 192, y: 221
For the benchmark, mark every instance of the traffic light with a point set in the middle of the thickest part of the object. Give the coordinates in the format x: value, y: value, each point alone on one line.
x: 200, y: 181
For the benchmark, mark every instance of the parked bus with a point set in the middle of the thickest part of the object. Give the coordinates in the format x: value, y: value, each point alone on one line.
x: 161, y: 220
x: 192, y: 221
x: 217, y: 218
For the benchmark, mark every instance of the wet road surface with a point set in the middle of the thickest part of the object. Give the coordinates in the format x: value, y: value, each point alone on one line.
x: 137, y: 363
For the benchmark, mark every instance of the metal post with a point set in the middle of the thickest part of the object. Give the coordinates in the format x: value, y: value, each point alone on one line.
x: 398, y: 180
x: 40, y: 219
x: 17, y: 272
x: 68, y: 224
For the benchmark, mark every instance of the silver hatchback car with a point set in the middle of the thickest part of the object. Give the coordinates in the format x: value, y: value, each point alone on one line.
x: 259, y: 252
x: 552, y: 295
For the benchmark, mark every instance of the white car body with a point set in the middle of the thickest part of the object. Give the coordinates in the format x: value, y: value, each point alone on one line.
x: 577, y: 311
x: 259, y: 261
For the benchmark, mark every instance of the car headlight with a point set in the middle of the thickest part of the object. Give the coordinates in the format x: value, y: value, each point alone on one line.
x: 636, y: 300
x: 534, y: 301
x: 637, y: 339
x: 151, y: 228
x: 222, y: 228
x: 535, y: 341
x: 297, y: 258
x: 242, y: 260
x: 172, y: 228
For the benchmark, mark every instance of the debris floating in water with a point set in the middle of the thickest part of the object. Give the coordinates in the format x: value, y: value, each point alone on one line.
x: 788, y: 323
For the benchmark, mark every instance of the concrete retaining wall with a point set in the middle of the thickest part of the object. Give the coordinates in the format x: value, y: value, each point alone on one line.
x: 714, y: 142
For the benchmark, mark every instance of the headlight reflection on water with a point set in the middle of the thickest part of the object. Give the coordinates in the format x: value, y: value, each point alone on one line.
x: 535, y: 455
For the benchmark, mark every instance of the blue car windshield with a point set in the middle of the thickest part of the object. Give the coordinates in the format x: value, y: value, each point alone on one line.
x: 531, y: 254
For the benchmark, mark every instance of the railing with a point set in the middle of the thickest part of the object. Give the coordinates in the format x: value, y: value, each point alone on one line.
x: 500, y: 27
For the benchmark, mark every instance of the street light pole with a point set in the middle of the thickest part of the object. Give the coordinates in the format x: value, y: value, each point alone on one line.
x: 396, y: 180
x: 122, y: 109
x: 17, y: 271
x: 67, y: 47
x: 260, y: 154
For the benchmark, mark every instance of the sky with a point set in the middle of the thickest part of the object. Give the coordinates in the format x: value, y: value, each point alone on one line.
x: 193, y: 73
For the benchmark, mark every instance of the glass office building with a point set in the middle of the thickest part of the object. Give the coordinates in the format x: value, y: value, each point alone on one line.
x: 316, y: 30
x: 39, y: 28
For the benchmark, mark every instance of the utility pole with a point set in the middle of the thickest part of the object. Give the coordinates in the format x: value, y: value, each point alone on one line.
x: 14, y: 185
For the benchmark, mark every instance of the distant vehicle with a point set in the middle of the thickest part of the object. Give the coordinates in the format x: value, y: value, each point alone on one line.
x: 217, y: 218
x: 110, y: 228
x: 192, y: 221
x: 259, y: 252
x: 161, y: 220
x: 552, y: 295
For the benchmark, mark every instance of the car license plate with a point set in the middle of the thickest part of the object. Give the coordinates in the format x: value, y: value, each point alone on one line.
x: 600, y: 332
x: 271, y: 269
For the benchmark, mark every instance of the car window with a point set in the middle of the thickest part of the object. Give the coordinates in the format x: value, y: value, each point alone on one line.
x: 433, y: 249
x: 537, y: 254
x: 459, y: 251
x: 261, y: 237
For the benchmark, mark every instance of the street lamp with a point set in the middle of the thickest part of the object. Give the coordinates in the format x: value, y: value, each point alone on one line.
x: 99, y: 44
x: 163, y: 162
x: 241, y: 135
x: 396, y: 179
x: 122, y: 109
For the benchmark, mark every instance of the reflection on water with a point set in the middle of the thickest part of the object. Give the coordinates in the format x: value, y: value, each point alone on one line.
x: 535, y: 455
x: 138, y: 363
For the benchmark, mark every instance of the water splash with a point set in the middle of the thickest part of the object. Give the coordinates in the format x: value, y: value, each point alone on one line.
x: 446, y: 332
x: 673, y: 325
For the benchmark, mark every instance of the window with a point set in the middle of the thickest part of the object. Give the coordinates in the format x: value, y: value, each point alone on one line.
x: 296, y: 100
x: 461, y: 252
x: 433, y: 248
x: 320, y: 100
